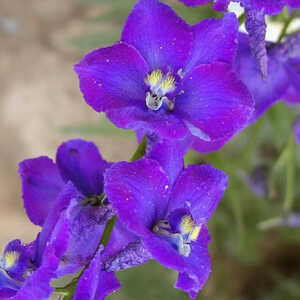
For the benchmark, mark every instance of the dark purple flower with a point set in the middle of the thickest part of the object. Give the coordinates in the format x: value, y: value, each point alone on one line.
x: 175, y: 85
x: 43, y: 181
x: 170, y: 221
x: 27, y: 271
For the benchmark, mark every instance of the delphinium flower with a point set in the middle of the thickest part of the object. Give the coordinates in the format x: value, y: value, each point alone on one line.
x: 169, y: 220
x: 80, y: 165
x: 164, y: 78
x: 42, y: 180
x: 26, y: 271
x: 281, y: 84
x: 255, y: 11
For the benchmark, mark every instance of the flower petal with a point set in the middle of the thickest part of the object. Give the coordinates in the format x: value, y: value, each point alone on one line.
x: 197, y: 268
x: 38, y: 285
x: 87, y: 223
x: 194, y: 2
x: 163, y: 39
x: 266, y: 91
x: 202, y: 146
x: 199, y: 189
x: 170, y: 154
x: 95, y: 284
x: 214, y: 101
x: 164, y: 125
x: 163, y: 252
x: 222, y: 35
x: 256, y: 27
x: 41, y: 184
x: 268, y: 6
x: 139, y: 193
x: 67, y: 194
x: 221, y: 5
x: 80, y: 162
x: 109, y: 79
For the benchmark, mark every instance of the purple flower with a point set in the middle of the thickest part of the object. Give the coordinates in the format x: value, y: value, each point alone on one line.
x: 170, y: 221
x: 43, y: 181
x: 25, y: 277
x: 266, y: 91
x: 175, y: 85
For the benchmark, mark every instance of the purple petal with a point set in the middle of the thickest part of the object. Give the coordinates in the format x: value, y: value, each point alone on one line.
x: 68, y: 193
x: 297, y: 131
x: 8, y: 286
x: 256, y: 27
x: 165, y: 125
x: 95, y: 284
x: 170, y: 154
x: 119, y: 240
x: 292, y: 95
x: 139, y: 193
x: 197, y: 267
x: 194, y: 2
x: 267, y: 91
x: 38, y: 285
x: 132, y: 255
x: 87, y: 225
x: 222, y: 35
x: 108, y: 79
x: 199, y: 189
x: 267, y: 6
x: 163, y: 39
x: 293, y: 3
x: 21, y: 264
x: 207, y: 147
x: 163, y: 252
x: 214, y: 102
x: 80, y: 162
x: 41, y: 184
x: 221, y: 5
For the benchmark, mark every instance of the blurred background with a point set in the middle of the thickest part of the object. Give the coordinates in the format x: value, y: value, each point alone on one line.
x: 41, y: 106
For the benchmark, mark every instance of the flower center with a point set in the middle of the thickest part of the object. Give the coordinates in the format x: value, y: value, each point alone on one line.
x: 180, y: 236
x: 159, y: 85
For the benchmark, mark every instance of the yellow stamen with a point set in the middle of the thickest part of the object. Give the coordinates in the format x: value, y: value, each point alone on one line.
x: 195, y: 233
x: 168, y: 85
x: 154, y: 77
x: 186, y: 225
x: 11, y: 258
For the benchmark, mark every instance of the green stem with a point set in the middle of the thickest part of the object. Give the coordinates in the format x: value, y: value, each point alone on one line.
x: 290, y: 176
x: 242, y: 19
x: 287, y: 24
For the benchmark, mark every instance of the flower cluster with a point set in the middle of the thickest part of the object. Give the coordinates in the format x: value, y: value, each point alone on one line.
x: 178, y: 87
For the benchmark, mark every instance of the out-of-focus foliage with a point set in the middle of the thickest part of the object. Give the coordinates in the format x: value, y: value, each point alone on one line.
x: 113, y: 15
x: 248, y: 263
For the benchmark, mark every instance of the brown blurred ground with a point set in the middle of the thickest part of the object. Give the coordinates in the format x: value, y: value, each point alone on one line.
x: 39, y: 94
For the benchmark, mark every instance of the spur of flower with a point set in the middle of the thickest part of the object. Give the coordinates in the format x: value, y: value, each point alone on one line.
x: 164, y: 77
x: 169, y: 220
